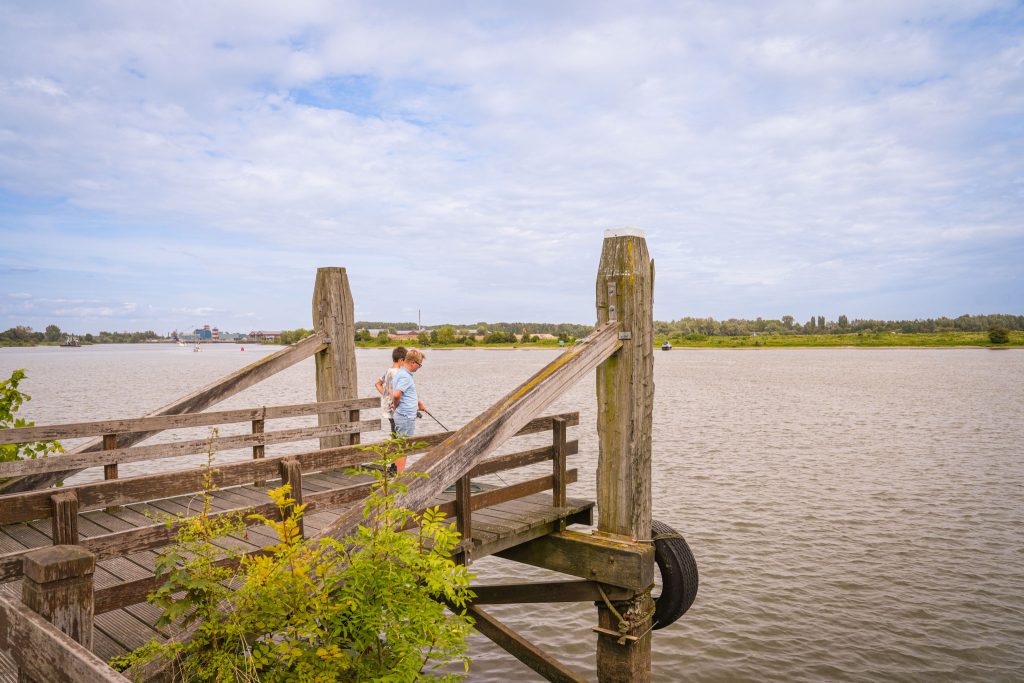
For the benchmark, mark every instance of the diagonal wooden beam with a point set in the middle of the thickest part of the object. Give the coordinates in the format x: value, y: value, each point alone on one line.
x: 522, y: 649
x: 457, y: 454
x: 194, y: 402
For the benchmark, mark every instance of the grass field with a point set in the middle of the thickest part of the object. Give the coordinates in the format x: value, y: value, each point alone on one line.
x: 866, y: 339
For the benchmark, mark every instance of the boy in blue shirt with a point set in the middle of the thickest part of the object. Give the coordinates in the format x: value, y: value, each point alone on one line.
x: 404, y: 400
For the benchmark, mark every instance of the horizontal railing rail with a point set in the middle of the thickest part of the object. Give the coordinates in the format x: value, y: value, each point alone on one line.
x: 192, y: 403
x: 176, y: 449
x: 33, y: 505
x: 183, y: 421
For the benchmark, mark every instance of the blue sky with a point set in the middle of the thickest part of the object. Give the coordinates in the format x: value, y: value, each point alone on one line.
x: 168, y: 165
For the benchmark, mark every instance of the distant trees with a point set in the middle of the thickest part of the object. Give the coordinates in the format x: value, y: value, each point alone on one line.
x: 291, y: 336
x: 21, y: 334
x: 820, y: 325
x: 52, y: 333
x: 443, y: 335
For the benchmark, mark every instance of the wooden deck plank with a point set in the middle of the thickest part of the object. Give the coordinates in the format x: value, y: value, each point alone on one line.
x: 144, y: 558
x: 125, y: 630
x: 8, y: 544
x: 105, y: 647
x: 31, y: 538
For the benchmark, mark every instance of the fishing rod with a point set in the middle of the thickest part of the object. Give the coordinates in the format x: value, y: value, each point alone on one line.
x: 436, y: 420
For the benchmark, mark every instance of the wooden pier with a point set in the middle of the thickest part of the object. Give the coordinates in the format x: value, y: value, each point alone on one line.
x: 77, y: 562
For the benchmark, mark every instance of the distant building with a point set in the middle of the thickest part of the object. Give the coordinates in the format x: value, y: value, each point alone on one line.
x: 203, y: 334
x: 264, y: 335
x: 215, y: 334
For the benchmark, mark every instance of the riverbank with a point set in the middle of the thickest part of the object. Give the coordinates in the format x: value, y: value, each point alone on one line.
x: 880, y: 339
x: 870, y: 340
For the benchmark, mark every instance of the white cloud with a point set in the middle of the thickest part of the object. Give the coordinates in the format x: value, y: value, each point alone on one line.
x: 482, y: 152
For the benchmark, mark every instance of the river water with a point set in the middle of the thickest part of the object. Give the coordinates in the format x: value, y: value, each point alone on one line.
x: 856, y: 514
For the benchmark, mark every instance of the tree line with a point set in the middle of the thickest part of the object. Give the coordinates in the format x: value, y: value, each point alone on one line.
x: 22, y: 334
x: 787, y: 324
x: 513, y: 332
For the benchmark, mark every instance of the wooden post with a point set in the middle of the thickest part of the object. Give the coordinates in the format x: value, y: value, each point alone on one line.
x: 464, y: 514
x: 58, y: 587
x: 64, y: 518
x: 333, y: 315
x: 558, y: 461
x: 625, y: 403
x: 291, y: 473
x: 259, y: 451
x: 110, y: 471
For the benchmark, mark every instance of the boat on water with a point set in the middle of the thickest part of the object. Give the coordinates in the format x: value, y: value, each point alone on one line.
x: 71, y: 340
x: 666, y: 346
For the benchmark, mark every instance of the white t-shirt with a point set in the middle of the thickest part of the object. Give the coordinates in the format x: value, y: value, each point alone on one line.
x: 387, y: 379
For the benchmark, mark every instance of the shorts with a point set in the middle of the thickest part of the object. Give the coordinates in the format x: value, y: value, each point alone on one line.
x: 405, y: 426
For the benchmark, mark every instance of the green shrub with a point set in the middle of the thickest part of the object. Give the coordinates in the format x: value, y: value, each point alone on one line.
x: 10, y: 401
x: 369, y: 607
x: 998, y: 335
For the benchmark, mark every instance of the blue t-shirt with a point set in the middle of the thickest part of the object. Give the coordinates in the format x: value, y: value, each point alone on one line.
x: 408, y: 404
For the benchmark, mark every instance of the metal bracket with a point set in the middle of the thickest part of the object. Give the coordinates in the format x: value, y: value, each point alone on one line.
x: 327, y: 340
x: 624, y: 336
x: 612, y: 312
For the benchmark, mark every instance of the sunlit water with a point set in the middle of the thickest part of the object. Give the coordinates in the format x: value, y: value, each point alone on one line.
x: 856, y: 514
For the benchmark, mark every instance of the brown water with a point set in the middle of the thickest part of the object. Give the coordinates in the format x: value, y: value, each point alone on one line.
x: 856, y: 514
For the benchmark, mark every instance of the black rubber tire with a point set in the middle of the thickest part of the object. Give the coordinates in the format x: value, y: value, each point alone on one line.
x: 678, y: 575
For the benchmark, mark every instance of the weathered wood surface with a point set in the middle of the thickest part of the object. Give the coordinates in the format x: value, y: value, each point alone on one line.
x: 124, y: 541
x: 149, y: 536
x: 23, y: 507
x: 64, y: 517
x: 44, y: 652
x: 176, y: 449
x: 334, y: 318
x: 467, y: 447
x: 560, y: 450
x: 193, y: 403
x: 291, y: 475
x: 58, y: 586
x: 597, y: 558
x: 625, y: 405
x: 522, y: 649
x: 527, y: 524
x: 183, y: 421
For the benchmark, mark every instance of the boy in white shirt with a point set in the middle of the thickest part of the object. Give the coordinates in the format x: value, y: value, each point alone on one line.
x: 383, y: 385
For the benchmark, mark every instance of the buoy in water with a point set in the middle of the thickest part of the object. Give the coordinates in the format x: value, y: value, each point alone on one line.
x: 243, y: 348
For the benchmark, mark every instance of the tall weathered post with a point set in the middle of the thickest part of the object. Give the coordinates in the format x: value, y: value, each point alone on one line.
x: 625, y: 403
x: 333, y: 315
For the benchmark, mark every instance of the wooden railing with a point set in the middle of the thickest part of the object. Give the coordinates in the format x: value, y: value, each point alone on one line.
x: 192, y: 403
x: 62, y: 506
x: 116, y: 431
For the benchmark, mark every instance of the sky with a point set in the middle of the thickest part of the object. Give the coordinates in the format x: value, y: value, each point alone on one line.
x: 169, y: 165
